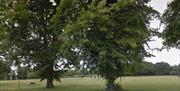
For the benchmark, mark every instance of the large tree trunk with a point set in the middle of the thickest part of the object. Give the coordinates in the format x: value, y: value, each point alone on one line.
x: 50, y: 78
x: 111, y: 85
x: 49, y: 83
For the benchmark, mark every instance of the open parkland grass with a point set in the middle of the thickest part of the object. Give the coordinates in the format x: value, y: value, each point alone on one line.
x: 139, y: 83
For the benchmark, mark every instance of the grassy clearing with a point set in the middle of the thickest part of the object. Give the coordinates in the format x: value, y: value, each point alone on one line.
x: 149, y: 83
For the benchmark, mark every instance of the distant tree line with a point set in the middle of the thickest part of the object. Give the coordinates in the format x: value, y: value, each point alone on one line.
x: 160, y: 68
x: 144, y: 69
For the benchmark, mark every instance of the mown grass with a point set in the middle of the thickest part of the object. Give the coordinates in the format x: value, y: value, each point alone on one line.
x: 148, y: 83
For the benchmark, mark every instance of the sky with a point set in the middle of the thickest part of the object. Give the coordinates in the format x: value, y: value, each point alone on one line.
x: 171, y: 56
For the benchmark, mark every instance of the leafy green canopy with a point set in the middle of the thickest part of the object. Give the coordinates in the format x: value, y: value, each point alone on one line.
x: 109, y: 39
x: 31, y: 35
x: 3, y: 67
x: 3, y: 32
x: 171, y: 19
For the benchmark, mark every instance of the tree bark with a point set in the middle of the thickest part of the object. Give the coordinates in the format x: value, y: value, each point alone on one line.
x: 49, y: 83
x: 50, y: 78
x: 111, y: 85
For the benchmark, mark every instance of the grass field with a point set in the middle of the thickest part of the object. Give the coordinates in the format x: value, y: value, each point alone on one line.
x: 149, y: 83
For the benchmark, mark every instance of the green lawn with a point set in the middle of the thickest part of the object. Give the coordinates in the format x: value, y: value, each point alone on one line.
x: 149, y: 83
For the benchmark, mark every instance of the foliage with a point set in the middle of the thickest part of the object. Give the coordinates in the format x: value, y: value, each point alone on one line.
x: 22, y: 72
x: 32, y: 75
x: 175, y: 70
x: 32, y: 40
x: 150, y: 69
x: 162, y: 68
x: 146, y: 69
x: 108, y: 38
x: 3, y: 69
x: 171, y: 19
x: 84, y: 72
x: 71, y: 73
x: 171, y: 33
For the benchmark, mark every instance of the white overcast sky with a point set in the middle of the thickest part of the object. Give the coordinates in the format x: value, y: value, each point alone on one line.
x: 171, y: 56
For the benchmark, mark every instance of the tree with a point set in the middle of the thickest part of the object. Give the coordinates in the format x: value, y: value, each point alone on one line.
x: 162, y: 68
x: 175, y: 70
x: 22, y: 72
x: 3, y: 64
x: 146, y: 69
x: 32, y: 74
x: 32, y: 38
x: 108, y: 38
x: 171, y: 20
x: 3, y: 69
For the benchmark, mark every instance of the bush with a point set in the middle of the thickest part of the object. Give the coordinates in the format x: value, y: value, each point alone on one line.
x: 32, y: 75
x: 71, y: 73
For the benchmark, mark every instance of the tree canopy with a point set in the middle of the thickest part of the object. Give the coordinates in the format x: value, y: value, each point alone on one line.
x: 107, y: 36
x: 32, y: 41
x: 171, y: 19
